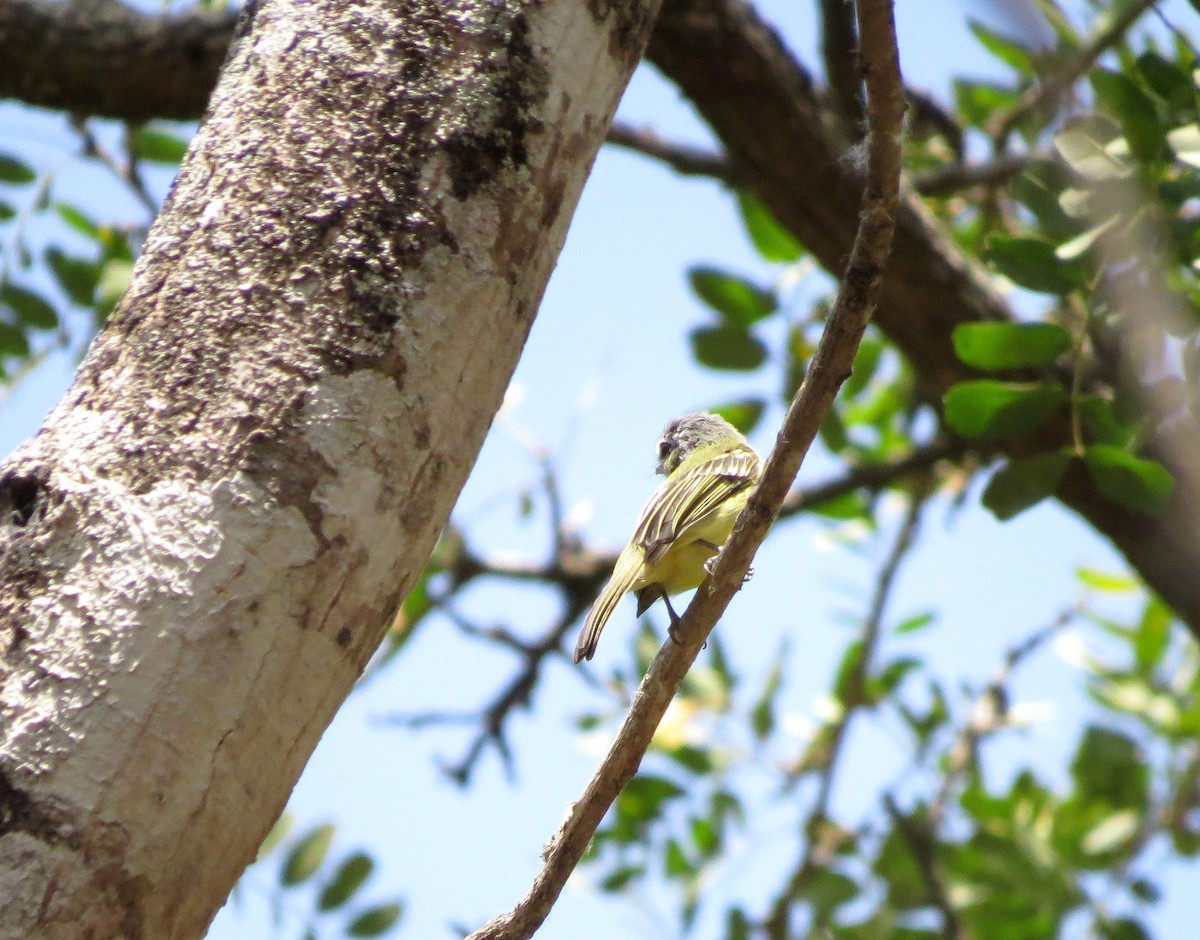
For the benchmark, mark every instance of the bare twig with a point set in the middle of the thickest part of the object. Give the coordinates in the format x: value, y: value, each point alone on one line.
x: 955, y: 177
x: 127, y: 172
x: 922, y: 845
x: 1055, y: 86
x: 777, y: 925
x: 830, y: 366
x: 989, y: 711
x: 682, y: 158
x: 839, y: 37
x: 873, y: 477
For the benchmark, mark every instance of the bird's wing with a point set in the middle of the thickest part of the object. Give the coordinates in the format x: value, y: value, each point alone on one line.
x: 689, y: 496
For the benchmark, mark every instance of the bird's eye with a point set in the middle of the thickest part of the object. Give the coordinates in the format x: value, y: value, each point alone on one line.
x: 664, y: 448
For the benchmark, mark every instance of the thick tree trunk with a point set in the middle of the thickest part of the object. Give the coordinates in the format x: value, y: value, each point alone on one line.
x: 206, y: 541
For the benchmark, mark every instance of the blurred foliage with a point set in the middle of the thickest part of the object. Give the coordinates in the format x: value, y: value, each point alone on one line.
x: 314, y: 893
x: 1101, y: 222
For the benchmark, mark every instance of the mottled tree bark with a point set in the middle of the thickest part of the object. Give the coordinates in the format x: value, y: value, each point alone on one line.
x: 203, y: 546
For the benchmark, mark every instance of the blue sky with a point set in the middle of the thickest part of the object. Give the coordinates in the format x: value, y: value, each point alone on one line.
x: 618, y: 311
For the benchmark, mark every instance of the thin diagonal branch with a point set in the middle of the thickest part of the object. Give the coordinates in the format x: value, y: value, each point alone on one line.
x: 830, y: 367
x: 777, y: 925
x: 1056, y: 85
x: 682, y: 158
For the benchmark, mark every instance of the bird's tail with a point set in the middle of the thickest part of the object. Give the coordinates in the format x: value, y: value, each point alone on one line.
x: 623, y: 578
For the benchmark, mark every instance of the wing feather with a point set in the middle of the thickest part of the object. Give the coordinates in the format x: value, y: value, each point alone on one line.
x: 689, y: 496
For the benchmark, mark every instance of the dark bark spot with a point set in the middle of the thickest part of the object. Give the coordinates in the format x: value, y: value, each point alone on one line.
x: 497, y: 139
x: 628, y: 21
x: 343, y: 637
x: 21, y: 494
x: 20, y: 813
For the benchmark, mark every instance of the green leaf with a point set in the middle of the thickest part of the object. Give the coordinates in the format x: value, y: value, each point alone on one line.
x: 31, y: 310
x: 77, y: 220
x: 1100, y: 421
x: 622, y: 876
x: 915, y: 623
x: 696, y: 759
x: 13, y: 341
x: 1171, y: 83
x: 994, y: 346
x: 1007, y: 50
x: 75, y: 276
x: 772, y: 240
x: 279, y: 831
x: 977, y: 102
x: 991, y: 409
x: 1107, y: 768
x: 6, y: 211
x: 675, y: 863
x: 743, y: 415
x: 15, y: 171
x: 762, y: 714
x: 1123, y: 928
x: 1120, y: 96
x: 1088, y: 157
x: 1134, y: 482
x: 1102, y: 581
x: 307, y: 855
x: 826, y: 890
x: 1022, y: 483
x: 729, y: 348
x: 1031, y: 263
x: 375, y: 921
x: 158, y: 146
x: 739, y: 302
x: 1153, y: 634
x: 644, y: 797
x: 349, y: 877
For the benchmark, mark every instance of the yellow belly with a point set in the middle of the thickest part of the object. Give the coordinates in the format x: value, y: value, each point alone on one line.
x: 682, y: 567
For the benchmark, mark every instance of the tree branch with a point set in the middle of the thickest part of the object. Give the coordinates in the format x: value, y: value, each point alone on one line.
x: 777, y: 925
x: 1051, y: 89
x: 839, y: 41
x: 683, y: 159
x: 830, y: 366
x: 107, y: 60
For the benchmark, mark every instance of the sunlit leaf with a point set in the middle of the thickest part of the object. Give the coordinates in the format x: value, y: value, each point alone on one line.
x: 307, y: 855
x: 737, y: 300
x: 772, y: 240
x: 995, y: 346
x: 991, y: 409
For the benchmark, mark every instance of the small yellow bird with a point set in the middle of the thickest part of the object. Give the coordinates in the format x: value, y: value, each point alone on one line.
x: 710, y: 471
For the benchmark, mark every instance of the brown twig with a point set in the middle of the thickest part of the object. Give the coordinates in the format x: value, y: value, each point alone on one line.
x: 830, y: 366
x: 873, y: 477
x: 839, y: 38
x: 1055, y: 86
x: 922, y: 846
x: 682, y: 158
x: 777, y: 925
x: 955, y: 177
